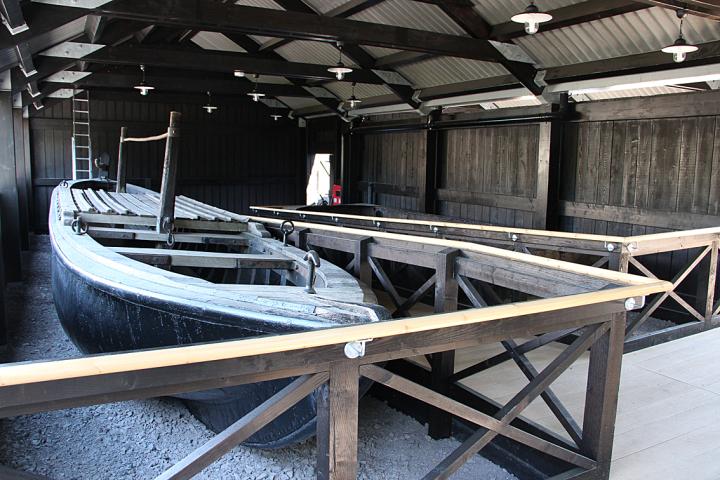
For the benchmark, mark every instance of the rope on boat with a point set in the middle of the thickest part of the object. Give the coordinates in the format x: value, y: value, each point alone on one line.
x: 154, y: 138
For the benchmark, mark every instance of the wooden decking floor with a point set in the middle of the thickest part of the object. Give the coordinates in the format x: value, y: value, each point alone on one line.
x: 668, y: 423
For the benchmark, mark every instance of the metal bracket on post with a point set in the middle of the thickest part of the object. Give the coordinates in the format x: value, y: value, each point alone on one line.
x: 356, y: 348
x: 313, y: 260
x: 287, y: 227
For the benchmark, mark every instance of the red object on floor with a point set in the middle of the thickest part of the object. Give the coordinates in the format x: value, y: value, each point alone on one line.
x: 336, y: 195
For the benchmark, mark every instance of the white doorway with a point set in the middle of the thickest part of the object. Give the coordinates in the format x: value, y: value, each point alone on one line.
x: 318, y: 187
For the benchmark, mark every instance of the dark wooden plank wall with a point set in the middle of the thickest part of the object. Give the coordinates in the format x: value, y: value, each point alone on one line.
x: 486, y: 174
x: 490, y: 172
x: 394, y: 165
x: 635, y: 175
x: 235, y: 158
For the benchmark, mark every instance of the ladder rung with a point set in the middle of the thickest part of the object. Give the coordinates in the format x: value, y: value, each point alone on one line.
x: 81, y: 158
x: 82, y: 135
x: 80, y: 99
x: 81, y: 111
x: 81, y: 123
x: 82, y: 146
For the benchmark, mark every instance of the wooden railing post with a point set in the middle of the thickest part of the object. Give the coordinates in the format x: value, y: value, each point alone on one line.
x: 166, y: 215
x: 121, y: 162
x: 705, y: 293
x: 361, y: 266
x: 602, y: 395
x: 442, y: 364
x: 337, y: 422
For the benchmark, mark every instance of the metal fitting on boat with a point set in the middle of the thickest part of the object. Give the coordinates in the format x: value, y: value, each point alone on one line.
x: 610, y: 247
x: 356, y: 348
x: 313, y: 260
x: 287, y: 227
x: 79, y: 227
x: 633, y: 303
x: 64, y: 184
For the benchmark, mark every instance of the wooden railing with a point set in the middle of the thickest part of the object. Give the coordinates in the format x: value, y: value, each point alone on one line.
x: 617, y: 253
x: 579, y: 298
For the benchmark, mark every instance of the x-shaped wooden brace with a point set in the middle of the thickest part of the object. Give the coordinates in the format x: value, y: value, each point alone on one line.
x: 500, y: 423
x: 677, y: 279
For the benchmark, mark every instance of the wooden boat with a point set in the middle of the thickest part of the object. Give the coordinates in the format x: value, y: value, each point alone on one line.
x: 121, y: 282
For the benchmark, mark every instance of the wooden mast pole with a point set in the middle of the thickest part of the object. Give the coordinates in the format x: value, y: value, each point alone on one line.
x: 166, y: 214
x: 122, y: 164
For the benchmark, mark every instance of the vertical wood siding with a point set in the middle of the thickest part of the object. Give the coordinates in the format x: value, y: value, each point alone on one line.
x: 234, y: 158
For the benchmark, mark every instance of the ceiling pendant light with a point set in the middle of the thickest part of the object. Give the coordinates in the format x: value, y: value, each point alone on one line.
x: 239, y: 73
x: 532, y: 17
x: 340, y: 70
x: 276, y: 117
x: 142, y: 86
x: 209, y: 108
x: 680, y: 48
x: 353, y: 101
x: 256, y: 96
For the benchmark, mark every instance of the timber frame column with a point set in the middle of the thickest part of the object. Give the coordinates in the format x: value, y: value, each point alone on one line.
x: 547, y: 193
x: 442, y: 364
x: 9, y: 201
x: 166, y: 214
x: 433, y: 154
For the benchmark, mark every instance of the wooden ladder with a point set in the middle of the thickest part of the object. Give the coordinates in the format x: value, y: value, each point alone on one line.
x: 81, y: 143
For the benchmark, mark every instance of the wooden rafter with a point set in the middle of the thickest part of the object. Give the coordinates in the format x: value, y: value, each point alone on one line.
x: 703, y: 8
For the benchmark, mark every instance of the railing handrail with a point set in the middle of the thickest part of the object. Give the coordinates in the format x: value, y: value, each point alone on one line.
x: 42, y: 371
x: 632, y: 245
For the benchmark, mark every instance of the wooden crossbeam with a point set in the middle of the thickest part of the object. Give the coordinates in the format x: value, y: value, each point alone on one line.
x: 549, y: 397
x: 703, y: 8
x: 385, y: 282
x: 677, y: 279
x: 214, y: 61
x: 553, y: 402
x: 189, y: 258
x: 242, y: 429
x: 518, y: 403
x: 12, y: 16
x: 402, y: 310
x: 461, y: 410
x: 220, y: 17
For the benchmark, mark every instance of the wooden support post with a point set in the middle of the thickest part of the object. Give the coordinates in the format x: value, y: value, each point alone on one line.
x: 337, y: 423
x: 28, y: 186
x: 361, y: 266
x: 9, y: 205
x: 442, y: 364
x: 602, y: 395
x: 433, y: 142
x: 121, y: 162
x: 21, y: 176
x: 540, y: 216
x: 705, y: 293
x: 166, y: 215
x: 618, y: 260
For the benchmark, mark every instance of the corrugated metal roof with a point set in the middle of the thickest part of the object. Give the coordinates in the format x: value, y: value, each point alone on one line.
x: 525, y: 101
x: 272, y: 79
x: 409, y: 14
x: 325, y: 6
x: 312, y: 52
x: 362, y: 90
x: 297, y: 103
x: 636, y: 32
x: 444, y: 70
x: 494, y: 11
x: 216, y: 41
x: 260, y: 4
x: 378, y: 52
x: 635, y: 92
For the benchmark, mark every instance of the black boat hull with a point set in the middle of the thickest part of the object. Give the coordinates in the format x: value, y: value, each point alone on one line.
x: 99, y: 319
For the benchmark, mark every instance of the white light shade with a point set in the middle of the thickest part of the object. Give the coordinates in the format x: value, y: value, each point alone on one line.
x: 276, y: 117
x: 340, y: 70
x: 532, y: 18
x: 354, y: 102
x: 256, y: 96
x: 144, y: 88
x: 680, y: 49
x: 210, y: 108
x: 239, y: 73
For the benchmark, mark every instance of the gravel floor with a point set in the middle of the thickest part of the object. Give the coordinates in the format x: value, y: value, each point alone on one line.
x: 139, y: 439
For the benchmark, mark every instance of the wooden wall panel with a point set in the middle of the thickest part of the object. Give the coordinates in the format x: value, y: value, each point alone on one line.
x: 235, y: 158
x: 488, y: 174
x: 631, y: 177
x: 392, y: 169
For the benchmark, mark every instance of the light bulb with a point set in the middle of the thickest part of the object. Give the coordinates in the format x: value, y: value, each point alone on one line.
x: 239, y: 73
x: 339, y: 75
x: 679, y: 56
x: 532, y: 27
